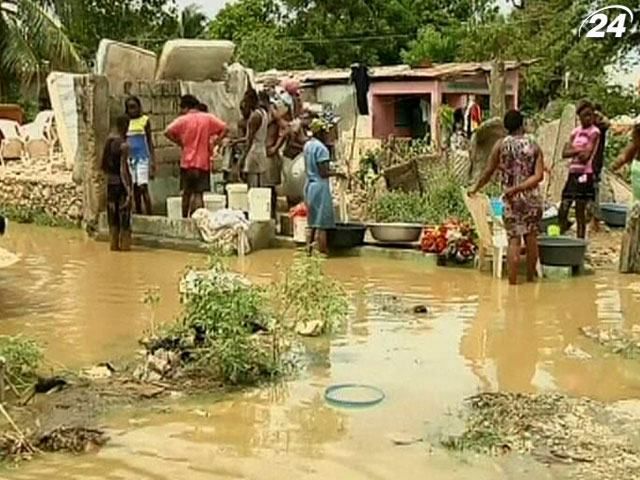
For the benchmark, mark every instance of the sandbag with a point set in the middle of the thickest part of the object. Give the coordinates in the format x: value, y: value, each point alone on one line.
x: 194, y: 60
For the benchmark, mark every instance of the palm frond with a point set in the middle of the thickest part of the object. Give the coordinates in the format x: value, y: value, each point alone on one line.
x: 35, y: 40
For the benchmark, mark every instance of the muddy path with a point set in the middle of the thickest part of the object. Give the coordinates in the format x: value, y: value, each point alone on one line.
x: 478, y: 336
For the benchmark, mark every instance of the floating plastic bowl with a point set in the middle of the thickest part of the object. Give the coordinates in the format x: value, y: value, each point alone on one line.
x: 352, y: 395
x: 497, y: 207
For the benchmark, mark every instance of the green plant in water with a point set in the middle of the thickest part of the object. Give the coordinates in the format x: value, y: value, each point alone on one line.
x: 22, y: 358
x: 306, y: 295
x: 151, y: 299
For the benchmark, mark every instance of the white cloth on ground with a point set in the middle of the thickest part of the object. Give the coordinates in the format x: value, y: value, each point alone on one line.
x: 225, y: 228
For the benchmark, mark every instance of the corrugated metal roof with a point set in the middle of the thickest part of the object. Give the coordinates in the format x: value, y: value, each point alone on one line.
x: 396, y: 71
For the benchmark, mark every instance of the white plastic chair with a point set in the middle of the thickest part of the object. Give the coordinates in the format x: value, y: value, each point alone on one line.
x: 11, y: 145
x: 39, y: 136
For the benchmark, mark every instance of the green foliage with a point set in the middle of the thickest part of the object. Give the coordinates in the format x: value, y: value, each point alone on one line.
x: 305, y: 294
x: 240, y: 19
x: 32, y: 43
x: 240, y: 332
x: 431, y: 46
x: 264, y: 49
x: 35, y: 216
x: 22, y: 357
x: 147, y: 23
x: 441, y: 201
x: 616, y: 143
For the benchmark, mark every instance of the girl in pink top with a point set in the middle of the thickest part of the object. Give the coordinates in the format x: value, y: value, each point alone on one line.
x: 580, y: 187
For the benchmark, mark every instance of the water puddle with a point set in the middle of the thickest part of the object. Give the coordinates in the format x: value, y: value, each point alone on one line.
x: 477, y: 335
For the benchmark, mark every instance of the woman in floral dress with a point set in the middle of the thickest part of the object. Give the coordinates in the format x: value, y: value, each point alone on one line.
x: 519, y: 160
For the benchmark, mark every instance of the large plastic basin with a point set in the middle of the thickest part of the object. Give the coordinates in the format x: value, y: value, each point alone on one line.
x: 346, y: 235
x: 562, y: 251
x: 614, y: 214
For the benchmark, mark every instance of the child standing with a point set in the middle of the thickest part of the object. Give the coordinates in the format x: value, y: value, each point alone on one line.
x: 115, y: 165
x: 580, y: 187
x: 141, y: 154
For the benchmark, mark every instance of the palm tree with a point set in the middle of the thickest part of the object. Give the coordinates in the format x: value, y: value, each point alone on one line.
x: 192, y: 22
x: 32, y: 43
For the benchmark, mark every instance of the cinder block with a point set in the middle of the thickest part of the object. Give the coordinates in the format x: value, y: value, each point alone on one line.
x: 170, y: 89
x: 157, y: 122
x: 145, y: 89
x: 168, y: 155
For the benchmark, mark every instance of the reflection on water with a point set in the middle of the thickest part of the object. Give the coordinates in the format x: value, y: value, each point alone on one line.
x: 479, y: 334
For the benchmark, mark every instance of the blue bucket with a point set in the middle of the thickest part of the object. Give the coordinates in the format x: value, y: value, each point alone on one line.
x: 497, y: 207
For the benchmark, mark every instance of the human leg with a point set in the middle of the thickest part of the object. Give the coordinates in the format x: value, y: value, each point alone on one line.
x: 146, y: 199
x: 186, y: 202
x: 323, y: 244
x: 311, y: 238
x: 563, y: 215
x: 137, y: 199
x: 531, y: 241
x: 197, y: 202
x: 581, y: 218
x: 513, y: 259
x: 113, y: 218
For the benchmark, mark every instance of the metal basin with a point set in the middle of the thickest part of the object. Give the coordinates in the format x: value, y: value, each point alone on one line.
x: 614, y: 214
x: 562, y: 251
x: 396, y: 232
x: 346, y: 236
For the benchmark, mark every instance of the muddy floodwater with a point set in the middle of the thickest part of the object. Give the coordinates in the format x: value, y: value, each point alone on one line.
x: 85, y: 304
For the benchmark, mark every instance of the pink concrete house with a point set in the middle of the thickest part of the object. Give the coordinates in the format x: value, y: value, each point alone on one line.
x: 404, y: 101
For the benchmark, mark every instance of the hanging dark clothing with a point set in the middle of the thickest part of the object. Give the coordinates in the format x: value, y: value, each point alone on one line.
x: 360, y: 78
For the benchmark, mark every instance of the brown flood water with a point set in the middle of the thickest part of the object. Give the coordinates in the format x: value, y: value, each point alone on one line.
x: 85, y: 304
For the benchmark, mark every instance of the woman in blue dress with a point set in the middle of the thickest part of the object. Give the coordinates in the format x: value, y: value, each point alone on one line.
x: 317, y: 191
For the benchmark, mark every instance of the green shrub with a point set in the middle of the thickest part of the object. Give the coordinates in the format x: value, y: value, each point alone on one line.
x: 441, y: 201
x: 22, y: 357
x: 239, y: 332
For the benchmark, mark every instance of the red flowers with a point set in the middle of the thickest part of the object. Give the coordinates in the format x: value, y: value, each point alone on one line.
x: 453, y: 240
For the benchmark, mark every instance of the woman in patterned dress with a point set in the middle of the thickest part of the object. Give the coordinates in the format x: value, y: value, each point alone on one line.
x: 519, y: 160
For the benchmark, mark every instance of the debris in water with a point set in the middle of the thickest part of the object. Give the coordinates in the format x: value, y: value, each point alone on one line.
x: 620, y: 342
x: 575, y: 352
x: 554, y: 429
x: 420, y: 309
x: 72, y: 439
x: 404, y: 439
x: 312, y: 328
x: 99, y: 372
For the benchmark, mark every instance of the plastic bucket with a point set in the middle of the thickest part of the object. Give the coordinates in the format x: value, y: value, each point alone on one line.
x: 497, y: 207
x: 300, y: 229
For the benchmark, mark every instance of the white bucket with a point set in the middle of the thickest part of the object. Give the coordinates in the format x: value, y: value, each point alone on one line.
x: 300, y: 229
x: 260, y: 204
x: 213, y: 202
x: 238, y: 196
x: 174, y: 208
